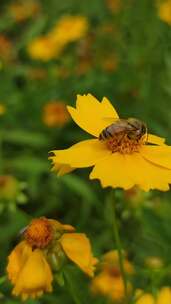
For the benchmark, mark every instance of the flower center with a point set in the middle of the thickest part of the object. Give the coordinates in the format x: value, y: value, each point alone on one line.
x: 124, y: 144
x: 39, y: 233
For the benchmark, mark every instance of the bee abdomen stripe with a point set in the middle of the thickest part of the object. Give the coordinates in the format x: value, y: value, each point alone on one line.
x: 108, y: 132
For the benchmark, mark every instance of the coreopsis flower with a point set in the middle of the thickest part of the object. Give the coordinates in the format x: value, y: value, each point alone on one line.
x: 46, y: 248
x: 109, y: 282
x: 164, y: 11
x: 43, y: 48
x: 118, y: 159
x: 55, y: 114
x: 162, y: 297
x: 69, y: 29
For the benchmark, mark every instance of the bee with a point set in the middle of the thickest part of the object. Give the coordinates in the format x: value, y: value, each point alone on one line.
x: 133, y: 128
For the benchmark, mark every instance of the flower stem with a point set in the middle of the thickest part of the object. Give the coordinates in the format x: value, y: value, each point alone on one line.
x: 71, y: 288
x: 119, y: 246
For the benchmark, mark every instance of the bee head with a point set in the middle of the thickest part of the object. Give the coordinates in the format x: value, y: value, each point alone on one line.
x: 138, y: 128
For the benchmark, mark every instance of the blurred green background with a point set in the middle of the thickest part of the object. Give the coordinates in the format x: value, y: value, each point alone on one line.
x: 125, y: 55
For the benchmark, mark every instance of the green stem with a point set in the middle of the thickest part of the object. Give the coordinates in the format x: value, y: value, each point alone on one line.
x: 71, y: 288
x: 119, y: 246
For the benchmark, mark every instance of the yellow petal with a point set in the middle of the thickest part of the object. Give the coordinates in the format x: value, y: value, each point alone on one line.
x: 146, y: 299
x: 113, y: 171
x: 35, y: 277
x: 61, y: 168
x: 164, y: 296
x: 78, y: 249
x: 159, y: 155
x: 16, y: 260
x: 90, y: 114
x: 156, y: 140
x: 126, y: 171
x: 83, y: 154
x: 60, y: 227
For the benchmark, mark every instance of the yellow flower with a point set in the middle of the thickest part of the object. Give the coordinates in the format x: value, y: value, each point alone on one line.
x: 109, y: 281
x: 163, y: 297
x: 47, y: 245
x: 43, y: 48
x: 69, y: 29
x: 9, y: 187
x: 164, y: 11
x: 2, y: 109
x: 111, y: 259
x: 145, y: 298
x: 23, y: 10
x: 55, y: 114
x: 120, y: 163
x: 29, y: 271
x: 66, y: 30
x: 154, y: 262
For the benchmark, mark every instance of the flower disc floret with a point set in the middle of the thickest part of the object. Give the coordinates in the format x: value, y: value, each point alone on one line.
x: 39, y: 233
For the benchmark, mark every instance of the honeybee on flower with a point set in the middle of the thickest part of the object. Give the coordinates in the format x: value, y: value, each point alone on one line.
x: 127, y: 159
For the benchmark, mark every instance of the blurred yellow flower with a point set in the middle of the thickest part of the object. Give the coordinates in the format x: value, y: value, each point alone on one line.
x: 109, y: 281
x: 154, y: 262
x: 55, y: 114
x: 43, y: 48
x: 163, y: 297
x: 66, y: 30
x: 47, y: 244
x: 164, y: 11
x: 118, y: 161
x: 2, y: 109
x: 69, y: 29
x: 22, y: 10
x: 9, y: 187
x: 145, y: 298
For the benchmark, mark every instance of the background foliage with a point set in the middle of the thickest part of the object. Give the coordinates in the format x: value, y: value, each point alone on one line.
x: 126, y: 57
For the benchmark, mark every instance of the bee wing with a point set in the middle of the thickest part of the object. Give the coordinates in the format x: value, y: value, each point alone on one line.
x: 110, y: 120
